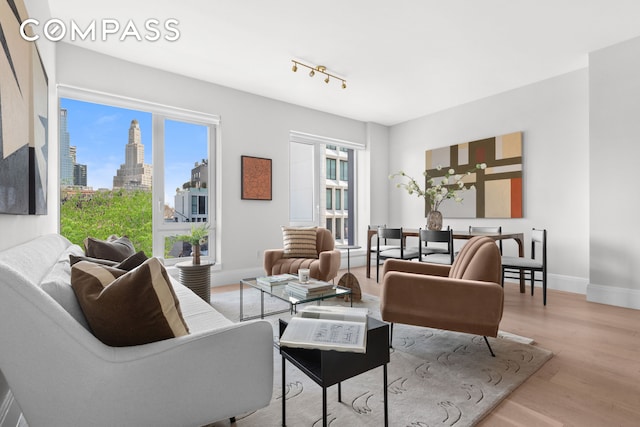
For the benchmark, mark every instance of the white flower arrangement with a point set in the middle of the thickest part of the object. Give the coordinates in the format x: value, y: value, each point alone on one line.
x: 435, y: 193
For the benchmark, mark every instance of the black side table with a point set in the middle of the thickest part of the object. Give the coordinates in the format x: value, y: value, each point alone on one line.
x: 329, y: 367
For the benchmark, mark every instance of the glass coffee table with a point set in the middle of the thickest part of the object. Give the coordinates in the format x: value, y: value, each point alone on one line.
x: 279, y: 291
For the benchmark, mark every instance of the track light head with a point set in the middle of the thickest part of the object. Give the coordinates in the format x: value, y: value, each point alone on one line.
x: 326, y: 80
x: 294, y: 68
x: 312, y: 73
x: 344, y: 84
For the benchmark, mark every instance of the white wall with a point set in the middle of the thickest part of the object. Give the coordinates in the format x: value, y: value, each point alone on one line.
x: 615, y: 150
x: 250, y: 125
x: 15, y: 229
x: 553, y: 116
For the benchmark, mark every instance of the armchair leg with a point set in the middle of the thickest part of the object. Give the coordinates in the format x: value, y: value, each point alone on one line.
x: 489, y: 345
x: 232, y: 420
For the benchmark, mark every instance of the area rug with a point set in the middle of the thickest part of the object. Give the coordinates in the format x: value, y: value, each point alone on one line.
x: 435, y: 377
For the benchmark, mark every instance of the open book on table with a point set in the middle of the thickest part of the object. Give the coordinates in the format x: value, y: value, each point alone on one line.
x: 328, y: 328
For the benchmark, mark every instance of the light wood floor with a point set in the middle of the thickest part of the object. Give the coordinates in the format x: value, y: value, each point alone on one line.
x: 593, y: 378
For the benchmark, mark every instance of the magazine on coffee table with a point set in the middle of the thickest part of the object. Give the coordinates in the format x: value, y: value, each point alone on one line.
x: 278, y: 279
x: 328, y: 328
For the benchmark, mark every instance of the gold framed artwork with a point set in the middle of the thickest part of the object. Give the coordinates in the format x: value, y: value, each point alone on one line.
x: 256, y: 178
x: 497, y: 189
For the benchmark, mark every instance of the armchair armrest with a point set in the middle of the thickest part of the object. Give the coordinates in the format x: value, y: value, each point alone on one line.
x: 415, y: 267
x: 270, y: 258
x: 442, y: 302
x: 329, y: 263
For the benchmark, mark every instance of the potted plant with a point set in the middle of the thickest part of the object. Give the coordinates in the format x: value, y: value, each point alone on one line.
x: 197, y: 237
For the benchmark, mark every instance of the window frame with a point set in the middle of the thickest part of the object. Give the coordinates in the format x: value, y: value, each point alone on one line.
x: 320, y: 144
x: 160, y: 229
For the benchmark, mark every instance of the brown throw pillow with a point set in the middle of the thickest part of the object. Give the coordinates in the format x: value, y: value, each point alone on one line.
x: 114, y: 248
x: 128, y: 308
x: 133, y: 261
x: 73, y: 259
x: 299, y: 242
x: 128, y: 264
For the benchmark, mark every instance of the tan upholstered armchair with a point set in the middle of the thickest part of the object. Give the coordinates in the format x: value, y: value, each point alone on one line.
x: 325, y: 267
x: 463, y: 297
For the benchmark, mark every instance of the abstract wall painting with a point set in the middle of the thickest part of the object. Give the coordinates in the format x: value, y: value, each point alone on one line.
x: 23, y: 118
x: 256, y: 178
x: 497, y: 191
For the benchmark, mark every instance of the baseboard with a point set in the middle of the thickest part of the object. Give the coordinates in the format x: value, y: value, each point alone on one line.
x: 611, y: 295
x: 10, y: 413
x: 559, y: 282
x: 221, y: 278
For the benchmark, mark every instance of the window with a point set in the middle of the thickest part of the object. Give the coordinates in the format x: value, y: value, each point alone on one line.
x: 331, y: 169
x: 313, y: 188
x: 344, y: 170
x: 346, y: 228
x: 151, y: 159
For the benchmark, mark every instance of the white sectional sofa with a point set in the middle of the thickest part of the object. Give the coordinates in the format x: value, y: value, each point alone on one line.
x: 61, y: 375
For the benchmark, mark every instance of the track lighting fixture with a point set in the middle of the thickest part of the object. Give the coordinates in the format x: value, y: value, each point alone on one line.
x: 320, y: 69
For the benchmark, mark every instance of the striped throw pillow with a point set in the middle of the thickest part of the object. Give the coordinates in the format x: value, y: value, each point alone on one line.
x: 299, y: 242
x: 128, y: 308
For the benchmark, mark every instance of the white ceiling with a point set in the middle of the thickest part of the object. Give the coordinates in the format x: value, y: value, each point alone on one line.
x: 402, y: 59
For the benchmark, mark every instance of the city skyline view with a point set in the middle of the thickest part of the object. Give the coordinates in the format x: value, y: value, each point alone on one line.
x: 100, y: 133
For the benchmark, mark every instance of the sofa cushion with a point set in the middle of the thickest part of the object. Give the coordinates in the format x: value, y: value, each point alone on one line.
x: 128, y: 308
x: 56, y: 283
x: 114, y: 248
x: 299, y: 242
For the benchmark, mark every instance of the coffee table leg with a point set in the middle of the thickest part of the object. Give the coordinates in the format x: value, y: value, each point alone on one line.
x: 262, y: 304
x: 241, y: 301
x: 386, y: 409
x: 284, y: 422
x: 339, y: 392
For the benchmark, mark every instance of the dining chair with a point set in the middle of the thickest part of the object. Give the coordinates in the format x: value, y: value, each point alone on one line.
x: 438, y: 255
x: 482, y: 229
x: 513, y: 266
x: 399, y: 252
x: 374, y: 244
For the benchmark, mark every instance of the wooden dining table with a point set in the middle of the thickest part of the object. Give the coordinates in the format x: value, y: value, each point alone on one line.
x: 462, y: 235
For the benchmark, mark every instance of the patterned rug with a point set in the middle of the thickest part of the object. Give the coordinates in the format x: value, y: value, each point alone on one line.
x: 435, y: 377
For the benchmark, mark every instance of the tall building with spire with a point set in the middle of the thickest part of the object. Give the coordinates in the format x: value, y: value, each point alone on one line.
x: 66, y: 162
x: 134, y: 174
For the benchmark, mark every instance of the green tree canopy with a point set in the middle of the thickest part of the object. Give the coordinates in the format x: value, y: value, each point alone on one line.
x: 119, y: 212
